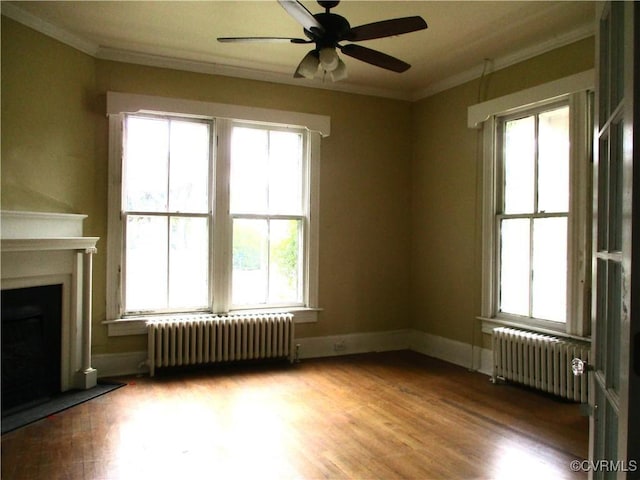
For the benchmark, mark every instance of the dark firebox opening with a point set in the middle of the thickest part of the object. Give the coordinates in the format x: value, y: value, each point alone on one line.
x: 31, y: 334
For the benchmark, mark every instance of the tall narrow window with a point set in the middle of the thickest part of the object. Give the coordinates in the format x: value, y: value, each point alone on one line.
x: 536, y: 206
x: 165, y: 214
x: 533, y: 213
x: 268, y: 214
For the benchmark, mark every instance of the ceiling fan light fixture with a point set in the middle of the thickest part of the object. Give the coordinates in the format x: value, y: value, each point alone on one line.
x: 309, y: 65
x: 329, y: 59
x: 340, y: 73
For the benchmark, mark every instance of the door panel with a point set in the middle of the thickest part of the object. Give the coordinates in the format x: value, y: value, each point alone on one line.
x: 614, y: 382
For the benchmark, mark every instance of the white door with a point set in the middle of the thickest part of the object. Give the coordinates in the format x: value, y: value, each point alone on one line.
x: 614, y: 439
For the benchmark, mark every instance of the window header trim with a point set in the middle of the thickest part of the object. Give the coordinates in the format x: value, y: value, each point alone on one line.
x: 118, y: 103
x: 480, y: 112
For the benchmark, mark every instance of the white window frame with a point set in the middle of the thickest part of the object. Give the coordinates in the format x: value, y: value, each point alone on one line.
x: 303, y: 216
x: 486, y: 116
x: 167, y: 214
x: 223, y: 116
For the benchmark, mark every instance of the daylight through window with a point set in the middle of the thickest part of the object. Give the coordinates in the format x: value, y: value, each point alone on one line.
x: 166, y: 203
x: 533, y: 218
x: 215, y: 215
x: 536, y: 206
x: 267, y: 209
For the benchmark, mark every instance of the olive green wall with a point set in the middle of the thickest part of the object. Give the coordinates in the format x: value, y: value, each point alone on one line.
x: 48, y: 123
x: 399, y: 189
x: 446, y: 195
x: 54, y: 158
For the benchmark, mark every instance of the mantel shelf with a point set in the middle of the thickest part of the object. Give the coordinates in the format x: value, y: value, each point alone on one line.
x: 51, y: 243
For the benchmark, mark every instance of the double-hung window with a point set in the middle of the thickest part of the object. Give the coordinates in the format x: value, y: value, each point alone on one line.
x: 268, y: 214
x: 166, y: 200
x: 536, y: 233
x: 532, y: 213
x: 209, y: 213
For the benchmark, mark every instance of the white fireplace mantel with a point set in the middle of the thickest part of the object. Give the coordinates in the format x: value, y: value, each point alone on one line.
x: 47, y: 249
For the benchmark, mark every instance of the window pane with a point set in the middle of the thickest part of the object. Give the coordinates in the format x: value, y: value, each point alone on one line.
x: 615, y: 201
x: 603, y: 200
x: 601, y: 312
x: 514, y: 266
x: 519, y: 165
x: 604, y: 107
x: 146, y: 164
x: 616, y: 65
x: 285, y: 175
x: 550, y: 269
x: 189, y: 262
x: 611, y: 330
x: 284, y: 264
x: 553, y: 161
x: 188, y: 183
x: 250, y: 261
x: 146, y: 257
x: 249, y: 170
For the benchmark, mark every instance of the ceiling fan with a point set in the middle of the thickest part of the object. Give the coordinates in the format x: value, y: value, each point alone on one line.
x: 328, y: 29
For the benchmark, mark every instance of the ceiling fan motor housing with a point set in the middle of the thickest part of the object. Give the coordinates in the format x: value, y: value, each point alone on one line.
x: 336, y: 29
x: 328, y: 4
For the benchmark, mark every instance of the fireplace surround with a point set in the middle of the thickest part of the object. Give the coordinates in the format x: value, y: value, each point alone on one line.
x: 41, y: 249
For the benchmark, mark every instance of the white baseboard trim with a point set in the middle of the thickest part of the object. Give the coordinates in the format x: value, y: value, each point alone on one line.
x: 485, y: 360
x: 459, y: 353
x: 452, y: 351
x: 335, y: 345
x: 117, y: 364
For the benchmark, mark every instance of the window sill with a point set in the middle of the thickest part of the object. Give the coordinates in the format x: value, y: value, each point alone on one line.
x: 488, y: 324
x: 136, y: 325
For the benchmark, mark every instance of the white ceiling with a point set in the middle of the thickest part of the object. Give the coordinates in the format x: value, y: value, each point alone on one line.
x: 182, y: 34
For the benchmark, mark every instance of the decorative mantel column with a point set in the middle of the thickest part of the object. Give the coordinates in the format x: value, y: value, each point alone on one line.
x: 49, y: 248
x: 87, y: 377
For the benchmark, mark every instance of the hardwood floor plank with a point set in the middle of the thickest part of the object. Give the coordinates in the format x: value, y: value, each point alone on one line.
x: 397, y: 415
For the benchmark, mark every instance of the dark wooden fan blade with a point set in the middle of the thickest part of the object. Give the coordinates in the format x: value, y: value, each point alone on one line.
x: 375, y: 57
x: 303, y: 16
x: 386, y: 28
x: 262, y: 40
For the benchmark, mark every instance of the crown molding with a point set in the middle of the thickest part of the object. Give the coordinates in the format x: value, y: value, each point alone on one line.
x: 213, y: 68
x: 15, y: 13
x: 580, y: 33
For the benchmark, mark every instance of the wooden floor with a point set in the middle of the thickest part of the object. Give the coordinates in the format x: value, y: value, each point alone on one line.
x: 388, y: 415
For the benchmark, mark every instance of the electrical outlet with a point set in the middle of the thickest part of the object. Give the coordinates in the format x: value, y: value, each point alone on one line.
x: 339, y: 346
